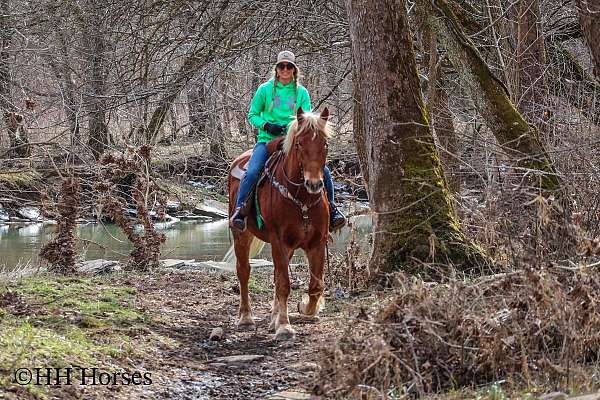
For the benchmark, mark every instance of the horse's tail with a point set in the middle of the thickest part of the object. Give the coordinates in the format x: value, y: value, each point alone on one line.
x: 256, y: 247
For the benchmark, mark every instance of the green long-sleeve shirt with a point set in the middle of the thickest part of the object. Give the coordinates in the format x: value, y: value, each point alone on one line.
x: 283, y: 110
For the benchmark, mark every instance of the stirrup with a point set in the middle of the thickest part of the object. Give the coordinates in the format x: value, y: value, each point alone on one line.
x: 238, y: 219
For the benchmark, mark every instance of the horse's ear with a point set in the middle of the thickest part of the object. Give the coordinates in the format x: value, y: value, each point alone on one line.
x: 300, y: 115
x: 325, y: 114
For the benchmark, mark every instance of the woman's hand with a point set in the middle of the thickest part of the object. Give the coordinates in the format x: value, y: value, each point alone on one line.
x: 274, y: 129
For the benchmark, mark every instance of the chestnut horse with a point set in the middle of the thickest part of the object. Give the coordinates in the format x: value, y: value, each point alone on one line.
x: 295, y: 212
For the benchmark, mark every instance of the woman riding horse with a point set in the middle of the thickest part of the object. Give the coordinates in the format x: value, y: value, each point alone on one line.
x: 273, y: 107
x: 295, y: 212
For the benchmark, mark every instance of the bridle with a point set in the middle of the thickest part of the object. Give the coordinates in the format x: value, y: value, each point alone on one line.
x: 300, y: 166
x: 283, y: 190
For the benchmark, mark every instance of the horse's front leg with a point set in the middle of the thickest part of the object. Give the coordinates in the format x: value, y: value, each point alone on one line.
x: 316, y: 262
x: 280, y: 319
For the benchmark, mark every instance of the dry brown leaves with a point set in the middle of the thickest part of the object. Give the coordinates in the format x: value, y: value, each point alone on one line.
x: 531, y: 326
x: 134, y: 168
x: 60, y: 252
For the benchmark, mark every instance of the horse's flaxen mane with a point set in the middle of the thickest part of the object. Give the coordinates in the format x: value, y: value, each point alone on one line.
x: 310, y: 121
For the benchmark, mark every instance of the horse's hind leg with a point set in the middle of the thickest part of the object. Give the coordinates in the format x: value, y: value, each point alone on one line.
x: 242, y: 244
x: 316, y: 262
x: 274, y: 312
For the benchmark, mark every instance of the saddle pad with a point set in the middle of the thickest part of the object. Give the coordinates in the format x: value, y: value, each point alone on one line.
x: 239, y: 170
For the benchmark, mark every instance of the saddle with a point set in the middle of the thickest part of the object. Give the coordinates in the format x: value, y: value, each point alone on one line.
x: 272, y: 147
x: 250, y: 208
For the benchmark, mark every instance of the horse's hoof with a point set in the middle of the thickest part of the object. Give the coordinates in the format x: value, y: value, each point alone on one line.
x: 273, y: 324
x: 285, y: 332
x: 303, y: 304
x: 300, y: 308
x: 246, y: 324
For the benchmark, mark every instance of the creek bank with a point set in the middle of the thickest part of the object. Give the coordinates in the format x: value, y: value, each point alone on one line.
x: 204, y: 210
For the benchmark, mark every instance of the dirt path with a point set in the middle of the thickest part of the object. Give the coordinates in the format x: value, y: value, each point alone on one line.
x: 186, y: 307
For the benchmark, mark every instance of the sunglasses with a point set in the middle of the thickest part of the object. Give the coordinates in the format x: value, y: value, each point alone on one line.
x: 283, y: 66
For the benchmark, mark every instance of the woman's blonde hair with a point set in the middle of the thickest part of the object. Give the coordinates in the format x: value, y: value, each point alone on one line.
x: 276, y: 79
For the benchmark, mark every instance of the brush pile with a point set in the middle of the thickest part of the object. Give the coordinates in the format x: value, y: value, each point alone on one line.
x: 537, y: 326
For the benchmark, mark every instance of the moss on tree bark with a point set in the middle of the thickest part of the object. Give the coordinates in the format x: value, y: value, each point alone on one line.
x: 518, y: 139
x: 413, y: 215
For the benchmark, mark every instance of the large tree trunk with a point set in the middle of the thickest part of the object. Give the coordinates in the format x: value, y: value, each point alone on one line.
x: 412, y: 209
x: 531, y: 89
x: 589, y: 18
x: 17, y: 134
x: 519, y: 139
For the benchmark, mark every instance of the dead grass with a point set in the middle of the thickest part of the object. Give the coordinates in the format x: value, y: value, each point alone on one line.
x: 534, y: 327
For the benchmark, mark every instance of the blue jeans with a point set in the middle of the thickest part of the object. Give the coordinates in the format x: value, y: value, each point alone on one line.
x: 255, y: 166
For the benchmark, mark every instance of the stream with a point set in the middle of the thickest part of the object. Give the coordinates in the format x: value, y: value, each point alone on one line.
x: 20, y: 242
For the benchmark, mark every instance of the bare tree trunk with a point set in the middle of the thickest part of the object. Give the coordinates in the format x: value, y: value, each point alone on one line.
x: 567, y: 75
x: 197, y: 109
x: 17, y: 134
x: 413, y: 213
x: 358, y: 126
x: 255, y: 82
x: 64, y: 74
x: 215, y: 129
x: 441, y: 116
x: 172, y: 136
x: 589, y: 18
x: 96, y: 46
x: 571, y: 79
x: 180, y: 79
x: 190, y: 67
x: 518, y: 139
x: 499, y: 33
x: 531, y: 90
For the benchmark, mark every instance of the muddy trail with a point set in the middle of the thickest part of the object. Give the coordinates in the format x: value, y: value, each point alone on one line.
x: 187, y: 307
x: 160, y: 324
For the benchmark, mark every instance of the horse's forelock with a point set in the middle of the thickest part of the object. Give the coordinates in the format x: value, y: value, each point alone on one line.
x: 310, y: 121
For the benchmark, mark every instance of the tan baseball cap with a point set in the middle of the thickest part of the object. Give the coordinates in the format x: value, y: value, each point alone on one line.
x: 286, y: 56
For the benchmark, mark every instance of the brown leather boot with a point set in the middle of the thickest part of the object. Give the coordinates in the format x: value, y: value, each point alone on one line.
x: 337, y: 220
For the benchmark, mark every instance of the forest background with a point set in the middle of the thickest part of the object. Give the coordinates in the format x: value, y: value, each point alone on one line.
x: 495, y: 107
